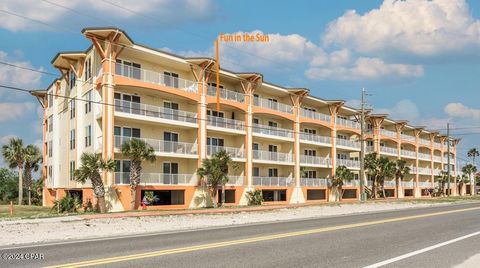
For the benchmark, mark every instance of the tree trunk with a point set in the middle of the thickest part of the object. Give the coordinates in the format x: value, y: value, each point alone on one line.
x: 99, y: 191
x: 101, y: 204
x: 20, y: 185
x: 383, y: 190
x: 135, y: 170
x: 29, y: 196
x: 397, y: 186
x: 214, y: 197
x: 374, y: 188
x: 223, y: 195
x: 339, y: 193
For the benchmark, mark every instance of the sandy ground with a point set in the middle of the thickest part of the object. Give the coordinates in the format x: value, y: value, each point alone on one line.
x: 68, y: 228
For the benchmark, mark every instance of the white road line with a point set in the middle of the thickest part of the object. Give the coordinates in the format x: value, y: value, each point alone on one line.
x: 420, y: 251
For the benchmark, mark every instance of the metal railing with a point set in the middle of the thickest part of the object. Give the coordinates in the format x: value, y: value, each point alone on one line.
x: 426, y: 184
x: 424, y: 156
x: 348, y: 163
x: 155, y: 77
x: 389, y: 150
x: 408, y: 137
x: 272, y: 156
x: 216, y: 121
x: 315, y: 160
x: 232, y: 151
x: 157, y: 178
x: 348, y: 143
x: 315, y: 138
x: 347, y: 123
x: 315, y: 115
x: 408, y: 153
x: 424, y: 141
x: 421, y: 170
x: 369, y: 149
x: 388, y: 133
x: 163, y: 146
x: 236, y: 180
x: 226, y: 94
x: 314, y: 182
x: 407, y: 184
x: 273, y: 131
x: 154, y: 111
x: 437, y: 158
x: 352, y: 183
x: 272, y: 181
x: 389, y: 184
x: 272, y: 105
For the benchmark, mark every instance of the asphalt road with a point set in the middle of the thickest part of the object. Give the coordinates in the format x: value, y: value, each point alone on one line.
x: 346, y: 241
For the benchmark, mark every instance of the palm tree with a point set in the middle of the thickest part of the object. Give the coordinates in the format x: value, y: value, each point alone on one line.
x: 91, y: 165
x: 472, y: 153
x: 216, y: 170
x: 387, y: 170
x: 33, y: 158
x: 401, y: 170
x: 137, y: 151
x: 470, y: 169
x: 442, y: 179
x: 14, y: 155
x: 372, y: 170
x: 342, y: 174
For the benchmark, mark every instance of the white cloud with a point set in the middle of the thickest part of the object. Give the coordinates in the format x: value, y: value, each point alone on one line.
x: 416, y: 27
x: 5, y: 139
x: 15, y: 110
x: 402, y: 110
x: 15, y: 76
x: 457, y: 109
x: 170, y: 11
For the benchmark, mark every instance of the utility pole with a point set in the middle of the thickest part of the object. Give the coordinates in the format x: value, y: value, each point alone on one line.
x: 362, y: 147
x: 448, y: 157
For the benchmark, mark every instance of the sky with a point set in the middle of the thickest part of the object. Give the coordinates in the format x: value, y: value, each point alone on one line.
x: 419, y: 60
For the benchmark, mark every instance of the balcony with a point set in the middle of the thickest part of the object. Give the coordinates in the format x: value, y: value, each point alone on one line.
x: 272, y: 181
x: 426, y: 184
x: 155, y: 112
x: 226, y: 94
x: 348, y: 163
x: 314, y: 115
x: 312, y: 138
x: 388, y: 133
x: 352, y: 183
x: 408, y: 153
x: 407, y: 184
x: 408, y: 138
x: 424, y: 142
x: 236, y: 180
x: 306, y: 160
x: 348, y: 143
x: 389, y: 150
x: 437, y: 172
x: 163, y: 147
x: 233, y: 152
x: 157, y: 178
x: 347, y: 123
x: 424, y: 156
x: 156, y: 78
x: 272, y: 156
x: 437, y: 158
x: 369, y: 149
x: 230, y: 124
x: 272, y: 131
x: 421, y: 170
x: 272, y: 105
x: 437, y: 144
x: 314, y: 182
x: 389, y: 184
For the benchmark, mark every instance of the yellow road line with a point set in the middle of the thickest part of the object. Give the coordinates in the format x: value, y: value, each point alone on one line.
x: 252, y: 240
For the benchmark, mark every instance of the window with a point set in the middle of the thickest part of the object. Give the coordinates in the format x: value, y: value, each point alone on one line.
x: 273, y: 172
x: 256, y: 121
x: 343, y: 137
x: 88, y: 136
x: 170, y: 141
x: 72, y: 109
x: 50, y: 123
x: 310, y: 131
x: 50, y: 172
x: 273, y: 103
x: 170, y: 79
x: 127, y: 132
x: 171, y: 136
x: 122, y: 171
x: 170, y: 173
x: 310, y: 152
x: 88, y: 68
x: 256, y: 172
x: 255, y: 146
x: 72, y: 79
x: 309, y: 109
x: 272, y: 148
x: 272, y: 124
x: 310, y: 174
x: 128, y: 69
x: 50, y: 99
x: 72, y: 139
x: 88, y: 102
x: 215, y: 113
x: 369, y: 143
x: 50, y: 149
x: 72, y: 170
x: 342, y: 156
x: 215, y: 141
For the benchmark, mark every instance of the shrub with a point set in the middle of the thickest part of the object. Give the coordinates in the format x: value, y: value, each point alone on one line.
x: 67, y: 204
x: 255, y: 197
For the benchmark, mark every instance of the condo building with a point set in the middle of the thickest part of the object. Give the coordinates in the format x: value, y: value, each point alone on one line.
x: 286, y: 142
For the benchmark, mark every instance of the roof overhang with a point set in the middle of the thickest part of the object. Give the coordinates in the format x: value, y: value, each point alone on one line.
x: 104, y: 33
x: 63, y: 60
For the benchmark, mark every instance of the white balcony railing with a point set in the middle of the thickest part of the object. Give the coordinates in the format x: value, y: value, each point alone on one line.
x: 421, y: 170
x: 272, y: 181
x: 347, y: 123
x: 352, y: 183
x: 389, y: 150
x: 314, y: 182
x: 157, y: 178
x: 232, y: 151
x: 272, y: 105
x: 315, y: 138
x: 155, y: 77
x: 272, y: 156
x: 315, y: 115
x: 349, y: 163
x: 348, y: 143
x: 424, y: 141
x: 236, y: 180
x: 437, y: 172
x: 226, y: 94
x: 154, y: 111
x: 437, y: 144
x: 408, y: 138
x: 424, y: 156
x: 389, y: 184
x: 437, y: 158
x: 221, y: 122
x: 369, y: 149
x: 407, y: 184
x: 388, y: 133
x: 163, y: 146
x: 315, y: 160
x: 272, y: 131
x: 408, y: 153
x: 426, y: 184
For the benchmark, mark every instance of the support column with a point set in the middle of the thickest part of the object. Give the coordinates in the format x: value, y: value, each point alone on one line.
x: 399, y: 127
x: 432, y: 150
x: 417, y: 192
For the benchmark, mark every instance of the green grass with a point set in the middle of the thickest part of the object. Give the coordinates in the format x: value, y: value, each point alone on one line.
x: 26, y: 212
